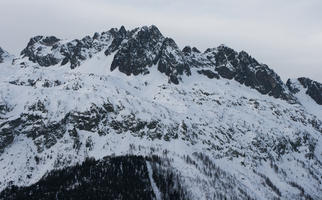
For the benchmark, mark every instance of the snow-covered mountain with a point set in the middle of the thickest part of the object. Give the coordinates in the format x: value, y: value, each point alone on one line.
x: 130, y: 111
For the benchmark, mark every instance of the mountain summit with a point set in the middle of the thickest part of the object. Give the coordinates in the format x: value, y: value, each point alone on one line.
x: 131, y: 115
x: 136, y: 51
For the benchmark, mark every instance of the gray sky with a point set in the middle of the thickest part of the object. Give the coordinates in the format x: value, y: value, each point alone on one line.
x: 285, y: 34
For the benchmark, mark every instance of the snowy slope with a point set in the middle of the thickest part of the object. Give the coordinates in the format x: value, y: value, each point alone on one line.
x: 237, y: 136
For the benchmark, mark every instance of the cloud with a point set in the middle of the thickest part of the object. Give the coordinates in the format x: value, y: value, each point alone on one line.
x: 286, y: 35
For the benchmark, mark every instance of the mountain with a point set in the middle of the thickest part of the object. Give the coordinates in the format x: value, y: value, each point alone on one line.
x: 127, y: 114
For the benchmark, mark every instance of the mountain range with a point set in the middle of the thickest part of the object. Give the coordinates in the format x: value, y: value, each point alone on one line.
x: 127, y: 114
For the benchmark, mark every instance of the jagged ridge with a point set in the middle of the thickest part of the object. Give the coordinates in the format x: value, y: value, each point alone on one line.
x: 136, y: 51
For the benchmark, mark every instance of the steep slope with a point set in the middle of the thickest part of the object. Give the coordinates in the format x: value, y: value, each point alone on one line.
x: 308, y: 93
x: 313, y: 88
x: 4, y: 56
x: 224, y: 123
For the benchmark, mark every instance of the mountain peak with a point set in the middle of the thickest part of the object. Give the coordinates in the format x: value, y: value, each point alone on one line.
x: 122, y: 30
x: 152, y: 29
x: 187, y: 50
x: 137, y: 50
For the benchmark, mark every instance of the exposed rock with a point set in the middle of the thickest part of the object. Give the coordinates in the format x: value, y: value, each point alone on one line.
x: 49, y: 51
x: 6, y: 138
x: 313, y: 88
x: 34, y: 124
x: 187, y: 50
x: 246, y: 70
x: 210, y: 74
x: 195, y: 59
x: 145, y: 47
x: 1, y: 54
x: 119, y: 36
x: 4, y: 55
x: 43, y: 50
x: 171, y: 61
x: 292, y: 86
x: 226, y: 72
x: 139, y: 52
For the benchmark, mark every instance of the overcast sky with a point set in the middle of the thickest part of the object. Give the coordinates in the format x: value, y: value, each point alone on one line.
x: 285, y: 34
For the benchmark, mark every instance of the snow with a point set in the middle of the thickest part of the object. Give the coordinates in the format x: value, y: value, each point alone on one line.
x: 308, y: 103
x: 222, y: 116
x: 153, y: 184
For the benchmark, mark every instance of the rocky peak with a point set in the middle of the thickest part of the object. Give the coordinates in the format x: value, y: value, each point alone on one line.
x: 145, y: 47
x: 49, y: 41
x: 49, y: 50
x: 241, y: 67
x: 313, y: 88
x: 225, y: 55
x: 138, y: 52
x: 246, y: 59
x: 293, y: 85
x: 45, y: 40
x: 187, y: 50
x: 3, y: 55
x: 149, y: 32
x: 195, y: 59
x: 43, y: 50
x: 172, y: 62
x: 122, y: 31
x: 118, y: 37
x: 135, y: 51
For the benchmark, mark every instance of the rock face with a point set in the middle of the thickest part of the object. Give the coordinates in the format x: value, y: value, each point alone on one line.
x: 246, y: 70
x: 37, y: 47
x: 171, y: 61
x: 241, y: 67
x: 3, y: 55
x: 49, y: 51
x: 210, y: 74
x: 144, y: 47
x: 313, y: 88
x: 139, y: 51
